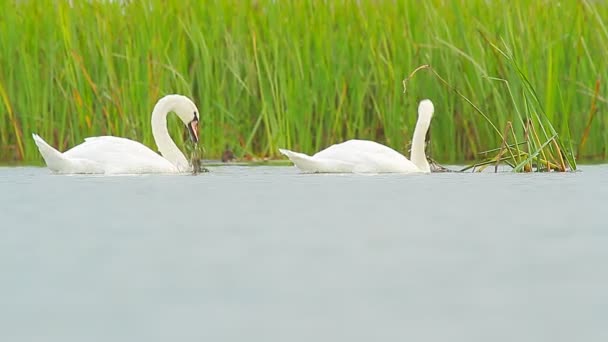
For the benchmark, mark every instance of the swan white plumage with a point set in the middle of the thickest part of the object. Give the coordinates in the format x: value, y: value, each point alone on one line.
x: 363, y: 156
x: 114, y: 155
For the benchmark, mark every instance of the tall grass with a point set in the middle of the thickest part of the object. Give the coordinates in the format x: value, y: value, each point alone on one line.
x: 303, y: 74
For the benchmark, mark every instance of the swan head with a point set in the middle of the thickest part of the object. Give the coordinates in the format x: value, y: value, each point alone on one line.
x: 186, y: 110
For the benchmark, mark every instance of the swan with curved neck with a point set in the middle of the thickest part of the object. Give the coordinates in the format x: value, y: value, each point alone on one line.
x: 363, y: 156
x: 115, y: 155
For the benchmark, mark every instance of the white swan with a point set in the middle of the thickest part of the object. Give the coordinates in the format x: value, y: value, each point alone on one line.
x: 114, y: 155
x: 363, y: 156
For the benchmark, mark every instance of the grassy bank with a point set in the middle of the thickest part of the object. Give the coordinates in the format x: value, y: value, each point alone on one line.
x: 302, y: 74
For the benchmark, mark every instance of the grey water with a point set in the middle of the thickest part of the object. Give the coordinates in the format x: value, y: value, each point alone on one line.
x: 269, y: 254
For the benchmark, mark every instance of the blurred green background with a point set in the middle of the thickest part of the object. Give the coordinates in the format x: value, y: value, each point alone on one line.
x: 301, y: 74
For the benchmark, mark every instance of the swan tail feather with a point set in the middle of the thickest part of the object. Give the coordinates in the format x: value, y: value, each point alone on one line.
x: 310, y: 164
x: 302, y: 161
x: 54, y: 159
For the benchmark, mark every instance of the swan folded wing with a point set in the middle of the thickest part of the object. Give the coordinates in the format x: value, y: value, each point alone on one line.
x: 79, y: 165
x: 356, y: 149
x: 367, y: 156
x: 120, y: 155
x: 321, y: 165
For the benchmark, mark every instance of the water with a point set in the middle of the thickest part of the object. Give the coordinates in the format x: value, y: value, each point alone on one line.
x: 268, y: 254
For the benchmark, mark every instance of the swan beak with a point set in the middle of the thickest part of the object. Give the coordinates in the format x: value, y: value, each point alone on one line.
x: 193, y: 129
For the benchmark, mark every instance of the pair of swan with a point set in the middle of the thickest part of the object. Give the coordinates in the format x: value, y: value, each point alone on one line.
x: 363, y: 156
x: 114, y: 155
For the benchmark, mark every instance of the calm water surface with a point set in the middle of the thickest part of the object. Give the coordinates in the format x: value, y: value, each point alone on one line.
x: 268, y: 254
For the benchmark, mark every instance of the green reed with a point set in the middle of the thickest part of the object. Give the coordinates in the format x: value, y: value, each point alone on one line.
x: 306, y: 74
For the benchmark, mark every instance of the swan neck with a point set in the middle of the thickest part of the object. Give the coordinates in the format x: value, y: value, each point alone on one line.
x: 166, y: 145
x: 418, y: 155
